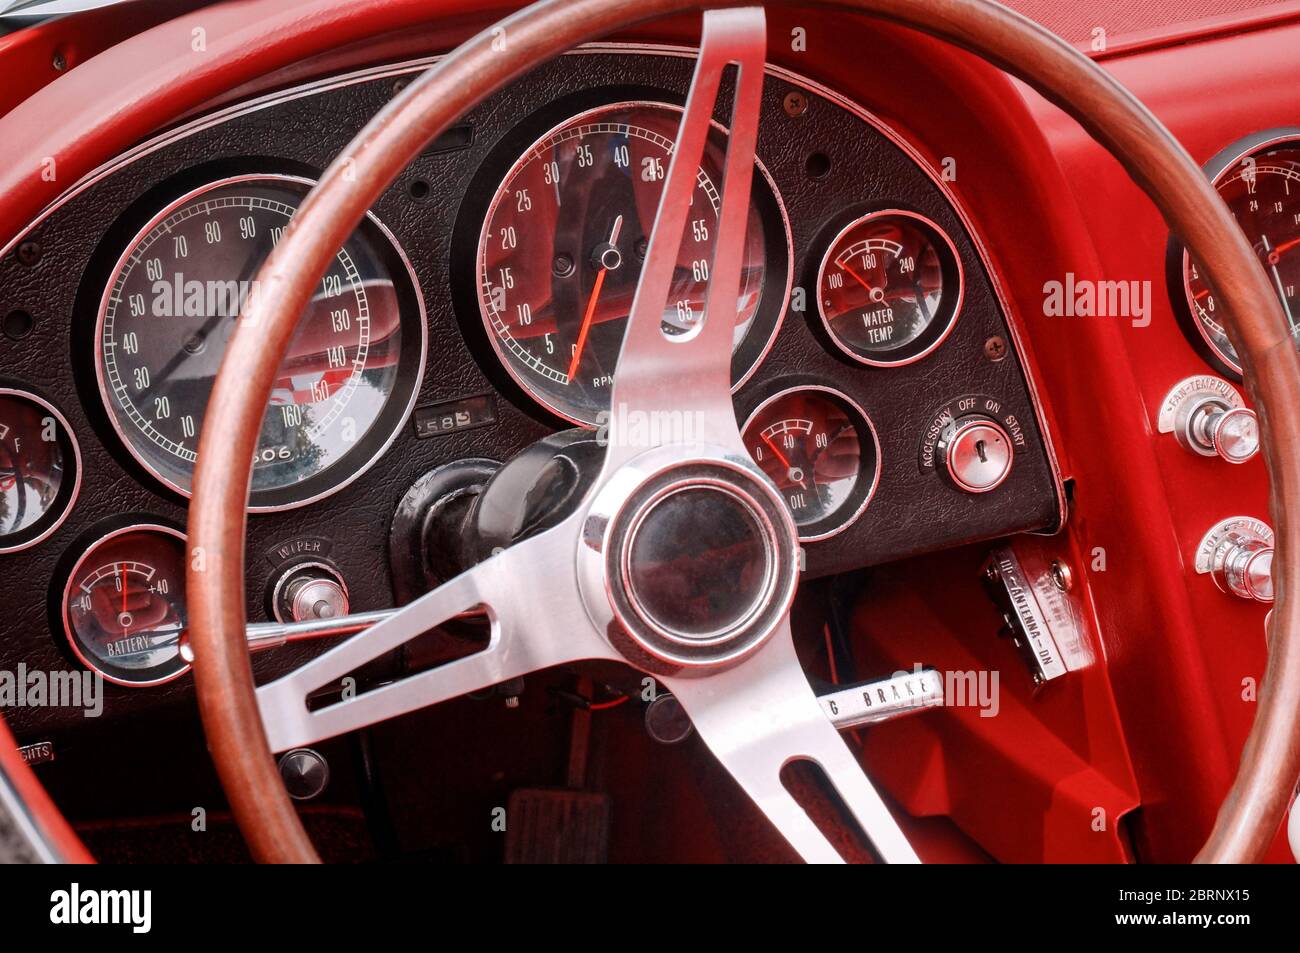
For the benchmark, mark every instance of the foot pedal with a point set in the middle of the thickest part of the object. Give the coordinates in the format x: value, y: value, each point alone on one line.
x: 557, y: 826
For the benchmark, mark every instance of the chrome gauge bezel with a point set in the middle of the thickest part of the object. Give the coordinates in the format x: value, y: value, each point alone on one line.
x: 69, y: 489
x: 501, y: 184
x: 392, y: 416
x: 1179, y: 259
x: 74, y: 643
x: 840, y: 520
x: 938, y: 331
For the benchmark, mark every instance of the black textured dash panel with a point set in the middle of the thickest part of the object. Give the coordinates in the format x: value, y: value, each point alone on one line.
x: 434, y: 211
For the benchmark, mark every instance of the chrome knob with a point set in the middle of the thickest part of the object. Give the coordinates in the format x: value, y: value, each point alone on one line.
x: 976, y: 453
x: 1246, y: 570
x: 1215, y: 429
x: 1206, y: 416
x: 310, y: 592
x: 304, y: 772
x: 1237, y: 553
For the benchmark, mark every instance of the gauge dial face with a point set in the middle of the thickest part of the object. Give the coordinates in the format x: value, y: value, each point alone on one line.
x: 821, y: 451
x: 1263, y: 192
x: 171, y: 307
x: 889, y: 288
x: 565, y: 238
x: 39, y: 469
x: 124, y: 605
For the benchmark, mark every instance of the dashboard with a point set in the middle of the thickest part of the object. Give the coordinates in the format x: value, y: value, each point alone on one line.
x: 933, y: 362
x: 477, y: 309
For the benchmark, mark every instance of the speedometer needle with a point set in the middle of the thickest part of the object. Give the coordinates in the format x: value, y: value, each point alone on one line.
x: 591, y: 306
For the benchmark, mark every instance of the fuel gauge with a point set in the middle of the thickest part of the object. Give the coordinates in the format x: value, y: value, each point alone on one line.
x: 124, y: 605
x: 821, y: 451
x: 39, y: 469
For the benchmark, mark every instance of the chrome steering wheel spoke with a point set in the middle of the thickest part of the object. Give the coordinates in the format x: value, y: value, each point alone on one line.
x: 535, y: 623
x: 762, y: 715
x: 686, y: 378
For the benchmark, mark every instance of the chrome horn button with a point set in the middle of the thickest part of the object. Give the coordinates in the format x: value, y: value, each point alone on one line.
x: 697, y: 587
x: 688, y: 559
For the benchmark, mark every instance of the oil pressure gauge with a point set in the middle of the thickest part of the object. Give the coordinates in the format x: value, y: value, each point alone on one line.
x: 889, y: 288
x: 124, y: 605
x: 821, y: 451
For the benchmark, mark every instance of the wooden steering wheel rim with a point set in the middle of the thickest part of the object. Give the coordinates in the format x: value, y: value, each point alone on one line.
x: 1254, y: 807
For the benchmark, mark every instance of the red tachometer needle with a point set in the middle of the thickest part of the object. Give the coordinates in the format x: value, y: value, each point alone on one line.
x: 591, y: 306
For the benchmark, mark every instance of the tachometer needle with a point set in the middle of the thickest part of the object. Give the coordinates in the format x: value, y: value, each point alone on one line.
x: 591, y: 306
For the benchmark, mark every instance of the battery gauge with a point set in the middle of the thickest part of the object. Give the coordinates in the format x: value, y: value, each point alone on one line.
x: 124, y: 605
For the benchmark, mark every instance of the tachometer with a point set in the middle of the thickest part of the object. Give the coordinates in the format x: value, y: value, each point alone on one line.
x: 1259, y: 179
x: 565, y: 238
x: 171, y: 306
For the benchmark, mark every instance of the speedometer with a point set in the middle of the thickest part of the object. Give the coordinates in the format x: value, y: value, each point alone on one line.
x: 1259, y: 179
x: 565, y: 238
x: 171, y: 305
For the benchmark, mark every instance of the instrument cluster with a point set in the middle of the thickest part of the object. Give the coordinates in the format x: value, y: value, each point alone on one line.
x: 479, y: 307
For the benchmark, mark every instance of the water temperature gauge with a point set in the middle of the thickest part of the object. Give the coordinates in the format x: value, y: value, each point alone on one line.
x: 889, y: 288
x: 124, y: 605
x: 821, y: 451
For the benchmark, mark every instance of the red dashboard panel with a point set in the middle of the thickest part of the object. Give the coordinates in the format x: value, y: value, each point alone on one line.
x: 1221, y: 104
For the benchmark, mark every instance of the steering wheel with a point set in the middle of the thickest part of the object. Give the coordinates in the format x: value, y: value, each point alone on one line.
x: 622, y: 577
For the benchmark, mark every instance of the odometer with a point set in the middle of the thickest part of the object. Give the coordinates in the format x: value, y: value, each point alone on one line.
x: 171, y: 306
x: 565, y: 237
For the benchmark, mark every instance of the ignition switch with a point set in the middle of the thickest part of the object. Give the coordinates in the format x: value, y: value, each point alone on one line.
x: 976, y: 453
x: 972, y: 442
